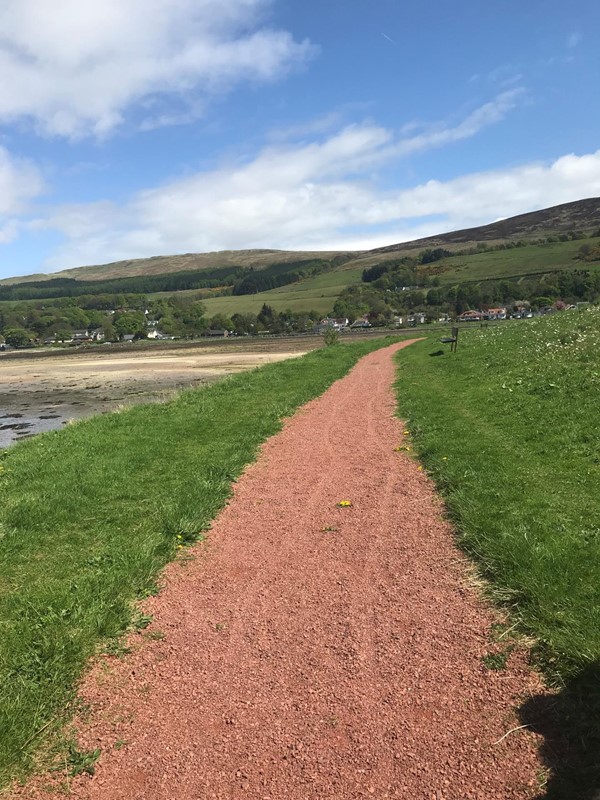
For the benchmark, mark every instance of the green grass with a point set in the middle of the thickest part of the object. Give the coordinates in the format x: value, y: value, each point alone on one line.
x: 509, y: 428
x: 91, y: 513
x: 518, y: 262
x: 318, y: 294
x: 321, y: 292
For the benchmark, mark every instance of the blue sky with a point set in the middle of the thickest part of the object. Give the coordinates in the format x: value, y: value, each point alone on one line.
x: 132, y: 128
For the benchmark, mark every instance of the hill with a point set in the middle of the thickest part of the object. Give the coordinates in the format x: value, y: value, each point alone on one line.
x: 536, y: 256
x: 160, y: 265
x: 581, y: 215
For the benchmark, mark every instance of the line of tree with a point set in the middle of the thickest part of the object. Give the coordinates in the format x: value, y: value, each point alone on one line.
x: 277, y: 275
x: 408, y: 264
x: 146, y: 284
x: 380, y: 303
x: 27, y: 323
x: 243, y: 280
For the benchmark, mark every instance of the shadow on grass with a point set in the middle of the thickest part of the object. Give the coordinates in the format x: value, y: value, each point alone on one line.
x: 570, y: 725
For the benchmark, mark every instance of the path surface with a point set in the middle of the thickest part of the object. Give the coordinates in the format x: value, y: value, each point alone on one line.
x: 312, y: 651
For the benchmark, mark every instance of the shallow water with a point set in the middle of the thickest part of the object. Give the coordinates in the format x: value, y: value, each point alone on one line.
x: 43, y: 394
x: 25, y: 413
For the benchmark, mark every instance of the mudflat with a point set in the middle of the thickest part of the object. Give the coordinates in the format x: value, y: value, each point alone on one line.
x: 41, y: 392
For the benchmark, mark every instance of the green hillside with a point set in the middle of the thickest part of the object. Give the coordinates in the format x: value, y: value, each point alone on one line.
x: 160, y: 265
x: 542, y: 257
x: 313, y: 294
x: 529, y: 260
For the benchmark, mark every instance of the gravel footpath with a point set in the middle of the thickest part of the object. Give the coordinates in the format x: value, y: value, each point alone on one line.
x: 315, y: 651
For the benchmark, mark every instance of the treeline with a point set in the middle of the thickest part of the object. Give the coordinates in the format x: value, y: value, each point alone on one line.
x: 23, y: 323
x: 268, y: 320
x: 255, y: 281
x: 26, y: 323
x: 406, y: 266
x: 380, y: 303
x: 404, y: 269
x: 242, y: 280
x: 137, y: 284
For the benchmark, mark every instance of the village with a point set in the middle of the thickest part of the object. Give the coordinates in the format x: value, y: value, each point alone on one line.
x: 520, y: 310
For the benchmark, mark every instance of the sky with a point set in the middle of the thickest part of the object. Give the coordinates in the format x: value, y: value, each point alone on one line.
x: 133, y: 128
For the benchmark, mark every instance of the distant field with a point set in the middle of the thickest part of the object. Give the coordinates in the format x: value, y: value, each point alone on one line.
x: 319, y: 293
x: 519, y: 261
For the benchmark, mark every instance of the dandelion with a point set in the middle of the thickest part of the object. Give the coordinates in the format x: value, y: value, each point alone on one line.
x: 344, y: 503
x: 420, y: 469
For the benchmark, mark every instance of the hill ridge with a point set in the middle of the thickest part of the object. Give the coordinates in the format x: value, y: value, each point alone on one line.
x: 577, y: 215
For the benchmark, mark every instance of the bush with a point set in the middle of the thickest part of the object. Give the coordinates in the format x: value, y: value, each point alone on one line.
x: 331, y: 337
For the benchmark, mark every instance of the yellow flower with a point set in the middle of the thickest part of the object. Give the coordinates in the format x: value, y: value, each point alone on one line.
x: 345, y: 503
x: 406, y: 433
x: 420, y: 469
x: 444, y: 458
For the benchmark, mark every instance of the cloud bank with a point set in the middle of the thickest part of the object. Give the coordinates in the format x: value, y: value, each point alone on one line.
x: 20, y: 182
x: 325, y: 194
x: 76, y: 66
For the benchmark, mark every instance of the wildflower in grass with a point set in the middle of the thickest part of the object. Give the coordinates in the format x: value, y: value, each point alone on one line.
x: 344, y: 503
x: 420, y: 469
x: 406, y: 433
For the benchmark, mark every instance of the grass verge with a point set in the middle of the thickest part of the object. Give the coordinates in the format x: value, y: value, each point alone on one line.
x: 90, y: 515
x: 509, y: 429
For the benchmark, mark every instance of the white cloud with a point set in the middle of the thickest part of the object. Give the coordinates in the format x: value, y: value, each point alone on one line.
x: 482, y: 117
x: 75, y: 67
x: 20, y: 181
x: 321, y: 195
x: 574, y: 39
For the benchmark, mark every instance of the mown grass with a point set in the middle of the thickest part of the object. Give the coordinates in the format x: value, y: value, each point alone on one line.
x: 509, y: 428
x: 91, y: 513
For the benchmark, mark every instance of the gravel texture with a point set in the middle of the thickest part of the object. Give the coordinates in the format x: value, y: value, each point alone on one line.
x: 315, y: 651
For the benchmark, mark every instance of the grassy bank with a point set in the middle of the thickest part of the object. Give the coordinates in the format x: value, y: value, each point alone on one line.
x: 90, y: 515
x: 509, y: 428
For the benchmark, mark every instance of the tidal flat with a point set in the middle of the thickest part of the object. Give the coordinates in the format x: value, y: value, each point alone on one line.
x: 42, y: 391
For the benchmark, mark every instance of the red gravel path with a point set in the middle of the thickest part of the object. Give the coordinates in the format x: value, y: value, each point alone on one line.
x: 312, y: 651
